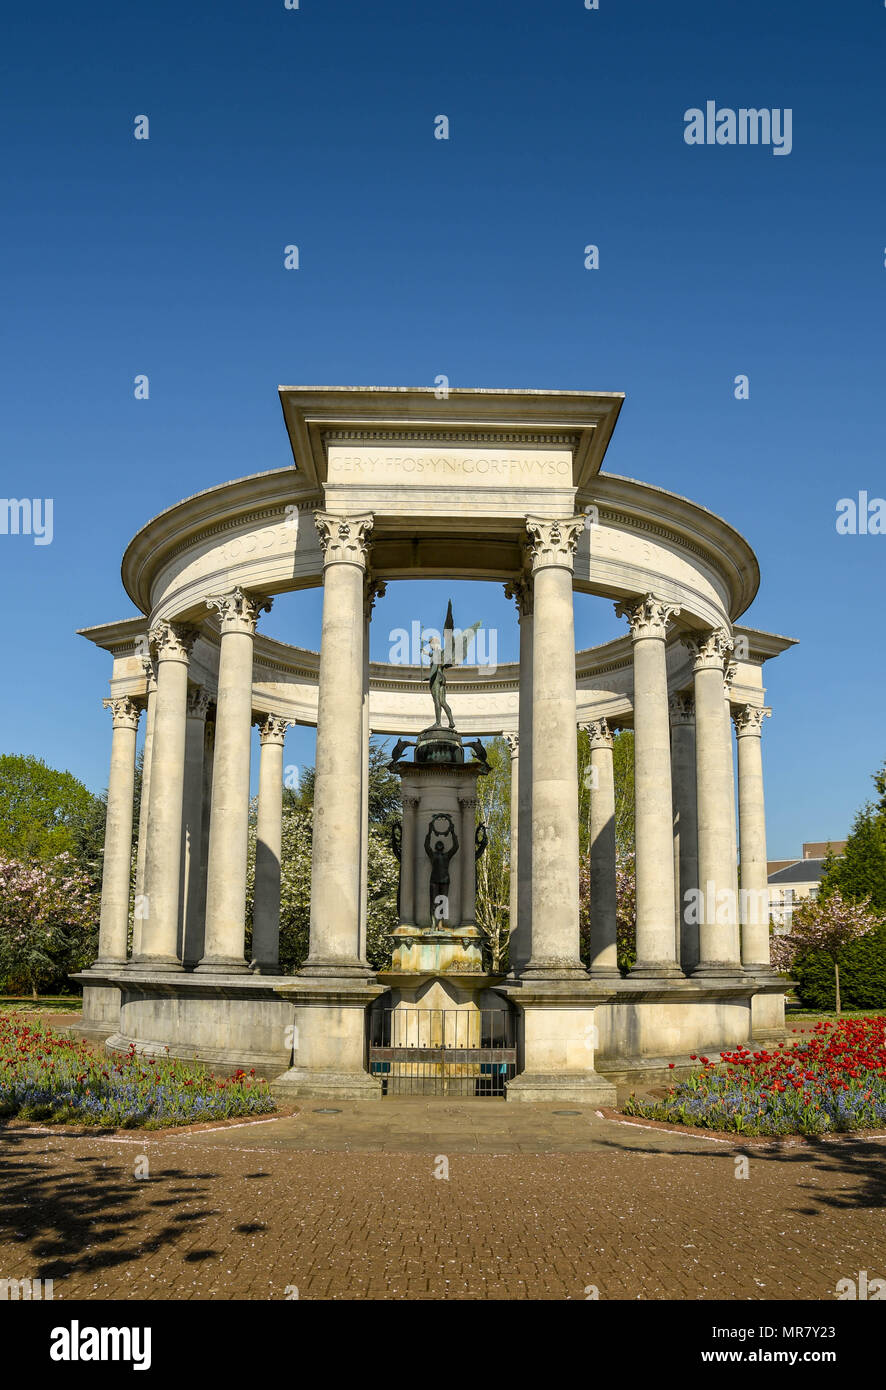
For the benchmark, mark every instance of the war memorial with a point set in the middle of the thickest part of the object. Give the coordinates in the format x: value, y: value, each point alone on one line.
x: 398, y: 484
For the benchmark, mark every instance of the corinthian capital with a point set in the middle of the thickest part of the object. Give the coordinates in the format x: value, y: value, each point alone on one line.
x: 173, y: 641
x: 682, y: 709
x: 513, y: 742
x: 520, y: 590
x: 149, y: 666
x: 343, y: 539
x: 647, y: 616
x: 272, y: 727
x: 124, y: 712
x: 599, y: 732
x: 239, y: 611
x: 198, y: 702
x: 375, y: 588
x: 553, y: 542
x: 748, y: 719
x: 711, y: 651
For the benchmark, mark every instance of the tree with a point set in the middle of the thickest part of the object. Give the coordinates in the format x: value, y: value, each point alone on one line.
x: 494, y: 865
x: 295, y: 867
x: 48, y: 921
x: 827, y: 925
x: 860, y: 871
x: 42, y: 811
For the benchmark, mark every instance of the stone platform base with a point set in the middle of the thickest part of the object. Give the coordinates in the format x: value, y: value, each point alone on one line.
x: 221, y: 1021
x: 101, y: 1011
x: 575, y: 1039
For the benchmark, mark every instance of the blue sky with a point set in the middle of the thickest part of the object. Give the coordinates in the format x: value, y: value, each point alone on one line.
x: 419, y: 256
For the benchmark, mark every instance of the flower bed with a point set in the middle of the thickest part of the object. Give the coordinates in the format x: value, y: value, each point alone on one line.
x: 44, y: 1076
x: 833, y: 1081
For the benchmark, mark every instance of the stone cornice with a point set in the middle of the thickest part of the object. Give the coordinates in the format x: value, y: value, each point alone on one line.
x: 689, y: 527
x: 312, y: 413
x: 528, y: 439
x: 185, y: 526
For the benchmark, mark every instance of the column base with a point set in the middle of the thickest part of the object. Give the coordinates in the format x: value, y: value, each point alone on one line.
x: 655, y: 970
x: 553, y: 969
x: 604, y: 972
x: 717, y: 970
x: 221, y: 965
x: 337, y: 970
x: 155, y: 963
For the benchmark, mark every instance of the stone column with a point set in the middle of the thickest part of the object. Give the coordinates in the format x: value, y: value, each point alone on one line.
x: 513, y: 742
x: 197, y: 942
x: 229, y: 811
x: 192, y: 838
x: 375, y: 589
x: 113, y: 929
x: 748, y: 720
x: 407, y: 863
x: 141, y: 850
x: 683, y: 776
x: 335, y: 873
x: 268, y: 846
x: 555, y: 914
x: 717, y: 875
x: 467, y: 832
x: 520, y: 943
x: 603, y: 955
x: 174, y: 643
x: 649, y: 618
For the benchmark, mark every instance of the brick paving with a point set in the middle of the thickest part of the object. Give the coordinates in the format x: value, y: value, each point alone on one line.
x: 537, y: 1205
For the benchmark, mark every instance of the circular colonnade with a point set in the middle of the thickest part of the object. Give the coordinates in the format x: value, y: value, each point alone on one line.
x: 483, y: 485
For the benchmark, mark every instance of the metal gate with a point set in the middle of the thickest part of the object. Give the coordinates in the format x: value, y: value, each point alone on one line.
x: 442, y: 1052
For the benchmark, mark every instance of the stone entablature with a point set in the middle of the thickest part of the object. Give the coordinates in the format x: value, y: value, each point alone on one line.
x: 288, y: 677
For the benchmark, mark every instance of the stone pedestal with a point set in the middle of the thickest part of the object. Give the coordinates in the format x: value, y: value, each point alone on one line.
x: 328, y: 1039
x: 439, y: 801
x: 556, y: 1042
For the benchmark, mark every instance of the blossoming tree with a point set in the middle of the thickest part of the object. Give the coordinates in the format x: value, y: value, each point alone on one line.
x: 48, y: 917
x: 824, y: 924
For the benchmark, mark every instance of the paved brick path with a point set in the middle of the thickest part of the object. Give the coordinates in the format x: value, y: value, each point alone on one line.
x: 537, y: 1205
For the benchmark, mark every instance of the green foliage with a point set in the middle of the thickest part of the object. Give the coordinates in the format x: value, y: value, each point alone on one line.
x: 295, y: 890
x: 862, y: 975
x: 43, y: 812
x: 859, y: 873
x: 48, y: 923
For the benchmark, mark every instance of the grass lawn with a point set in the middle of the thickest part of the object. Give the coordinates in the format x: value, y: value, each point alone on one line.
x: 44, y: 1004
